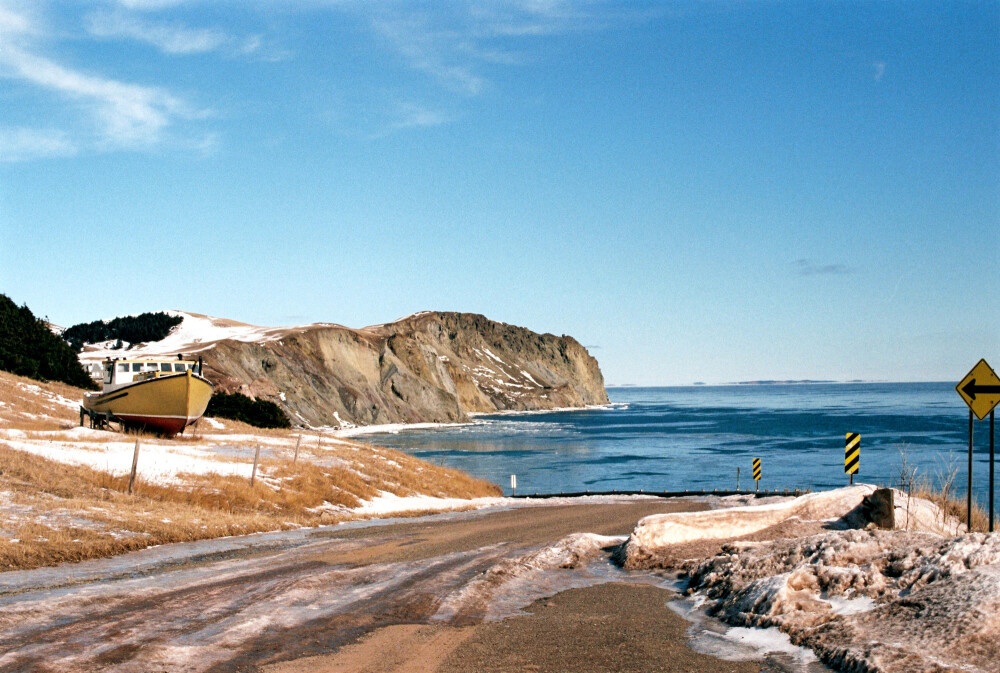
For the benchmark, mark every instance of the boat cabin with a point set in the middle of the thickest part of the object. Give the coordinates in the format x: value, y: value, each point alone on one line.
x: 118, y: 373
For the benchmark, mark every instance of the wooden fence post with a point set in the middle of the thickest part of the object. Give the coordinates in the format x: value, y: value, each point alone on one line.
x: 298, y: 440
x: 256, y: 457
x: 135, y: 463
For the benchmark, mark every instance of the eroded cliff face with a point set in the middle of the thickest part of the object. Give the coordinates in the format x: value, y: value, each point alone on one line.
x: 429, y: 367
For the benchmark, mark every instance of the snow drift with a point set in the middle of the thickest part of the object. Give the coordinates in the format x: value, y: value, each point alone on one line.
x: 838, y: 508
x: 867, y: 600
x: 913, y: 599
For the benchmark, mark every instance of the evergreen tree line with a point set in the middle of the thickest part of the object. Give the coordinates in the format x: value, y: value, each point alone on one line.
x: 29, y: 348
x: 141, y: 328
x: 260, y: 413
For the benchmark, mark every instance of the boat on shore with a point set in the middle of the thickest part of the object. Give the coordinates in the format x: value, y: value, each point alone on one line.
x: 160, y: 394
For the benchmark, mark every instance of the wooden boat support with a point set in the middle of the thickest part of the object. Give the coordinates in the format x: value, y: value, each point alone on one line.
x: 100, y: 420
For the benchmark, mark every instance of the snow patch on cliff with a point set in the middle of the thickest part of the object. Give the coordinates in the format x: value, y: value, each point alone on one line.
x: 196, y: 333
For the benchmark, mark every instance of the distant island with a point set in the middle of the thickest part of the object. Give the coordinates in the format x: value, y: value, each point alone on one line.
x: 795, y: 382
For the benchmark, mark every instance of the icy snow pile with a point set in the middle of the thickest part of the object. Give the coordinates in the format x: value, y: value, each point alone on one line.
x: 907, y: 600
x: 512, y: 583
x: 838, y: 508
x: 867, y: 600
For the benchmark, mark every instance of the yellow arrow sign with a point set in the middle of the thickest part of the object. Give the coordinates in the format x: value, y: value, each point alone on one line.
x: 980, y: 389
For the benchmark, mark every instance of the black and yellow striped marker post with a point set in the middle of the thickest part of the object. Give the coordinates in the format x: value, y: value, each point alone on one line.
x: 852, y: 454
x: 756, y: 473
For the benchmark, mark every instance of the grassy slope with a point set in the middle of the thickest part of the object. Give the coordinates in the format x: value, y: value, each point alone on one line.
x: 58, y: 512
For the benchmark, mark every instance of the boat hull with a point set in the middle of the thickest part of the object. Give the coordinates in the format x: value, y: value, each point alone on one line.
x: 167, y: 404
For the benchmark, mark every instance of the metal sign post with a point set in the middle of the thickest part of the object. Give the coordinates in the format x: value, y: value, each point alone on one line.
x: 992, y: 414
x: 980, y: 390
x: 968, y: 499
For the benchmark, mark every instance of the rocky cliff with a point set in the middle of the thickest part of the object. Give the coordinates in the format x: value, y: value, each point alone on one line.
x: 428, y: 367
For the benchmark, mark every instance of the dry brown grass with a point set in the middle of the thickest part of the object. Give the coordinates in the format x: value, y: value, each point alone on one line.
x: 26, y: 404
x: 953, y: 505
x: 76, y: 512
x: 940, y: 490
x: 107, y: 520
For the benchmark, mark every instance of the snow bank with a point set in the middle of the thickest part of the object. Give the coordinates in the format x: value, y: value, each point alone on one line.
x: 512, y: 583
x: 663, y: 529
x: 867, y: 600
x: 840, y: 507
x: 388, y: 503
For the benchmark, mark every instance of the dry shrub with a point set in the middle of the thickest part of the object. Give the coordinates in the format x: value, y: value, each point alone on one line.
x: 953, y: 505
x: 940, y: 491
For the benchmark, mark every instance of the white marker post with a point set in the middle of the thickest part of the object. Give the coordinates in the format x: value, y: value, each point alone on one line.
x: 513, y: 484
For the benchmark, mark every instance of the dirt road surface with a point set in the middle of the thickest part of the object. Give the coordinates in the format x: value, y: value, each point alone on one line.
x: 462, y: 592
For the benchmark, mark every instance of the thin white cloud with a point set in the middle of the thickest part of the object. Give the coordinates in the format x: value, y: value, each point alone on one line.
x: 149, y: 4
x: 24, y: 144
x: 127, y: 114
x: 428, y: 50
x: 171, y: 38
x: 12, y: 22
x: 453, y: 41
x: 415, y: 116
x: 879, y: 68
x: 97, y: 113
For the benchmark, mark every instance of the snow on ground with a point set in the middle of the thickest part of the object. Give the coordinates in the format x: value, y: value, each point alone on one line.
x: 158, y: 462
x: 514, y: 582
x: 660, y: 530
x: 868, y: 600
x: 388, y: 428
x: 388, y: 503
x: 49, y: 396
x: 196, y: 333
x: 908, y: 600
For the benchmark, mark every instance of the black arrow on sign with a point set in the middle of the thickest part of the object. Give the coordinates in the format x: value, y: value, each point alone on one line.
x: 971, y: 389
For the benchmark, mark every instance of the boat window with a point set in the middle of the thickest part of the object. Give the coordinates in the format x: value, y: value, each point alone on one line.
x: 137, y: 366
x: 152, y: 366
x: 164, y: 366
x: 123, y: 367
x: 178, y: 366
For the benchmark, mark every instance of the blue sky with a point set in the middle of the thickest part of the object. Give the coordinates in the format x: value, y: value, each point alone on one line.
x: 698, y: 191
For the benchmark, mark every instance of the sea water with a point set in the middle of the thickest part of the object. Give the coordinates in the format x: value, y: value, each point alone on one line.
x: 672, y: 439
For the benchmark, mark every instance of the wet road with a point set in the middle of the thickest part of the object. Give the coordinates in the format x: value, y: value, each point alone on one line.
x: 242, y: 604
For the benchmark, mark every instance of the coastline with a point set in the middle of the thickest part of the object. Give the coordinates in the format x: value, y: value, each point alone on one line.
x: 396, y: 428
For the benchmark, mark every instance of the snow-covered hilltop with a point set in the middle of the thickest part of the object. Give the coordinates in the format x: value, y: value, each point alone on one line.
x: 426, y: 367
